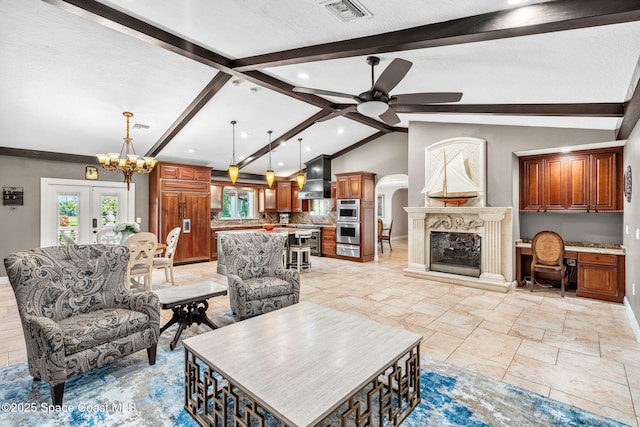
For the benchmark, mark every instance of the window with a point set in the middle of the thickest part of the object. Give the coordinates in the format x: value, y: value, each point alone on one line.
x: 238, y: 203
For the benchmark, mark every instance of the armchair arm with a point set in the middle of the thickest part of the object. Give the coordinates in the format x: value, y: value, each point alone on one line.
x: 237, y: 294
x: 292, y: 276
x: 147, y: 303
x: 46, y: 349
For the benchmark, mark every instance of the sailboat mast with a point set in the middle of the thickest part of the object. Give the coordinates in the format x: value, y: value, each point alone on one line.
x: 444, y: 165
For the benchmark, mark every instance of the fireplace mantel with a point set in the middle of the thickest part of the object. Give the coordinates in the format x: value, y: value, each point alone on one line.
x: 493, y: 224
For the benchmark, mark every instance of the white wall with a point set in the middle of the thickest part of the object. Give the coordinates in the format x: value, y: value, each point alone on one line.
x: 631, y: 221
x: 384, y: 156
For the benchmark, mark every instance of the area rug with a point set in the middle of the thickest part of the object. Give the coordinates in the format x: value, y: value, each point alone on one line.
x: 130, y: 392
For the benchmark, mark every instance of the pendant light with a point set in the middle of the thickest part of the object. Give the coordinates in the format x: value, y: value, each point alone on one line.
x: 233, y: 167
x: 270, y: 175
x: 300, y: 178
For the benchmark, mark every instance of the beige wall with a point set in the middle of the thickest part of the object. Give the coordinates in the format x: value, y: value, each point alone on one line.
x: 632, y: 221
x: 20, y: 227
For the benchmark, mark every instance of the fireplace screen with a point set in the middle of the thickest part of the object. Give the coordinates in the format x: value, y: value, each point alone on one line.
x: 456, y: 253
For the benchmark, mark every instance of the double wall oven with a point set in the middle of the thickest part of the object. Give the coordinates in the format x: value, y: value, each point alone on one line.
x: 348, y: 228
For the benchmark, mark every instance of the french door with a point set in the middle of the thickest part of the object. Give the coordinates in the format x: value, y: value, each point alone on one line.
x: 79, y: 209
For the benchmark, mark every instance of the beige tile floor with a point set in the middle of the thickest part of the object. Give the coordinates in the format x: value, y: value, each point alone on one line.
x: 575, y: 350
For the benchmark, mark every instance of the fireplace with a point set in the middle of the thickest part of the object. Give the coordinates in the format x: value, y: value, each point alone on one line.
x: 455, y: 253
x: 469, y: 246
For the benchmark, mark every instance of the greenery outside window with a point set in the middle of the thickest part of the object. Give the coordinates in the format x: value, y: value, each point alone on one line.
x: 239, y: 203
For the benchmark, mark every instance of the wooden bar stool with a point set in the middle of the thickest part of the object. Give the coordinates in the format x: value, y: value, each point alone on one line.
x: 302, y: 247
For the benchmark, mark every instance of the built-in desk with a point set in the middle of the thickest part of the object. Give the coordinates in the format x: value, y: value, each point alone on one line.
x: 596, y: 270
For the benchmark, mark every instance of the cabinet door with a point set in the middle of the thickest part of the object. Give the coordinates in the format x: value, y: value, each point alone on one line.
x: 531, y: 181
x: 298, y: 205
x: 597, y: 278
x: 577, y: 170
x: 342, y: 187
x: 170, y: 217
x: 333, y: 197
x: 604, y: 182
x: 284, y: 196
x: 355, y: 186
x: 216, y: 197
x: 554, y: 194
x: 213, y: 251
x: 196, y: 226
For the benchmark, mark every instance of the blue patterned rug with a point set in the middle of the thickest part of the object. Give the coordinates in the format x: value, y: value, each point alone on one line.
x: 130, y: 392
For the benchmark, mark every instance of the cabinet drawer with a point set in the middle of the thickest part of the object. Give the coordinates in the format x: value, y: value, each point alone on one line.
x: 169, y: 171
x: 598, y: 258
x: 179, y: 185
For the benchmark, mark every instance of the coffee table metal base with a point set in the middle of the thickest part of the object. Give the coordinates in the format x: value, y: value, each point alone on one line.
x: 387, y: 400
x: 186, y: 315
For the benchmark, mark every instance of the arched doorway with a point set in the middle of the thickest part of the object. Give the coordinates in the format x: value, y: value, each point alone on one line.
x: 391, y: 197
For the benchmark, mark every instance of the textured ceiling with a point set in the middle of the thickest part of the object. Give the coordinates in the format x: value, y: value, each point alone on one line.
x: 68, y: 76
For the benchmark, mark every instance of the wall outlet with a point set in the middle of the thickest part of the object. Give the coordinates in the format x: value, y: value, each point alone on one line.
x: 138, y: 220
x: 571, y: 262
x: 626, y: 229
x: 633, y: 289
x: 637, y: 233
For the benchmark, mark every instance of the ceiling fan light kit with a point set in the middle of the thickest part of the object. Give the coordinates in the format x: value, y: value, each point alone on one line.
x: 127, y: 161
x: 372, y: 108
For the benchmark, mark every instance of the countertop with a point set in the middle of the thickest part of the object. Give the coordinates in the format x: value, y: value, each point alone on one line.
x: 255, y: 226
x: 600, y: 248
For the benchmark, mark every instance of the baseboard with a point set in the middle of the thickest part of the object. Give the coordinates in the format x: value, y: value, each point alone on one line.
x: 632, y: 319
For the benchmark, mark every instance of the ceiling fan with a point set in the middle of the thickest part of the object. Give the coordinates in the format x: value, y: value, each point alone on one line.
x: 376, y: 102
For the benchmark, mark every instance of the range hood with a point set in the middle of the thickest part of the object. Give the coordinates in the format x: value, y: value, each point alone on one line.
x: 318, y: 183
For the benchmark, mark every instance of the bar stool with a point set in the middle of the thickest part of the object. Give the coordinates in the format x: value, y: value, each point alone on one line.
x: 300, y: 249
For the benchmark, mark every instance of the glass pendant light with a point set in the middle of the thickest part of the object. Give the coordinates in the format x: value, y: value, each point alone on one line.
x: 270, y: 175
x: 233, y: 167
x: 300, y: 178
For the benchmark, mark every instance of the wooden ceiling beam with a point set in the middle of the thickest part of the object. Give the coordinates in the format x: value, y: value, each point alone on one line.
x: 575, y: 110
x: 631, y: 111
x: 559, y: 15
x: 48, y: 155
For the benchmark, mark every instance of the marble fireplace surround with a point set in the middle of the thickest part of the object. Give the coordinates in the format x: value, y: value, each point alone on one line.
x: 493, y: 224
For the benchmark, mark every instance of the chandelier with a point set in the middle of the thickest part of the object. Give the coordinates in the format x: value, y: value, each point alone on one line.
x: 300, y: 178
x: 127, y: 161
x: 233, y: 170
x: 270, y: 175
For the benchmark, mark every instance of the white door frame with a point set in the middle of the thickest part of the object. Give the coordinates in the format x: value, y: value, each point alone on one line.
x: 46, y: 202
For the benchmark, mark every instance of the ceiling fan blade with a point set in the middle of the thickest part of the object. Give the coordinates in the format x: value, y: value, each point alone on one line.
x: 338, y: 113
x: 323, y: 92
x: 392, y: 75
x: 426, y: 98
x: 390, y: 117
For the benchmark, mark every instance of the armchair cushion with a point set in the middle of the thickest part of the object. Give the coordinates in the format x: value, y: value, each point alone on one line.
x: 266, y: 287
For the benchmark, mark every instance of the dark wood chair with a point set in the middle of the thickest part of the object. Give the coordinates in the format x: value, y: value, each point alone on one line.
x: 547, y: 249
x: 382, y: 236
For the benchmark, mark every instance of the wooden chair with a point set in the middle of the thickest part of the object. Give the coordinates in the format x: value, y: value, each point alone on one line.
x: 547, y: 249
x: 302, y: 247
x: 166, y: 261
x: 107, y: 236
x: 142, y: 248
x: 382, y: 236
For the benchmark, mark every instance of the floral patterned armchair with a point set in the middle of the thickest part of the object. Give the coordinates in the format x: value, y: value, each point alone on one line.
x: 258, y: 281
x: 77, y: 313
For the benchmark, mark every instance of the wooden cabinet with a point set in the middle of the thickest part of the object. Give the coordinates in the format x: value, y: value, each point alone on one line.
x: 328, y: 241
x: 348, y: 186
x: 216, y: 196
x: 183, y: 203
x: 267, y: 200
x: 585, y: 181
x: 601, y: 276
x: 213, y: 250
x: 333, y: 196
x: 297, y: 205
x: 283, y: 195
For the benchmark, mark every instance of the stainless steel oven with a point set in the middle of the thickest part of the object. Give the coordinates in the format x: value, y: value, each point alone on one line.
x: 348, y: 210
x: 348, y: 250
x: 348, y: 232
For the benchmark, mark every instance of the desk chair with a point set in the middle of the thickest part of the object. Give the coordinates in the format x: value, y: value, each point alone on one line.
x: 547, y: 249
x: 302, y: 247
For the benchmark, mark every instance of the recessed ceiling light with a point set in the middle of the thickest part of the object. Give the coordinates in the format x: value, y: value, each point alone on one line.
x: 244, y: 135
x: 308, y: 149
x: 303, y: 76
x: 241, y: 157
x: 280, y: 164
x: 340, y: 131
x: 191, y: 150
x: 283, y: 144
x: 514, y: 2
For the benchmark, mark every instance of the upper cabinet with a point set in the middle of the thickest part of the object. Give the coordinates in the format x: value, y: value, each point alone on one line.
x: 267, y: 200
x: 216, y: 196
x: 297, y: 205
x: 348, y: 186
x: 584, y: 181
x: 283, y: 191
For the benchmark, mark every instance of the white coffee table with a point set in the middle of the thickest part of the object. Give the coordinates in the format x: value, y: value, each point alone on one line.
x: 305, y: 364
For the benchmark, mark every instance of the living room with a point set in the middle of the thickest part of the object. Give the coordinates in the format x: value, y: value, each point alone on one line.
x: 602, y: 112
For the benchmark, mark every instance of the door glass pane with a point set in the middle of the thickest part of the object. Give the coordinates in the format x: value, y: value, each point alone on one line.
x: 68, y: 217
x: 239, y: 203
x: 108, y: 210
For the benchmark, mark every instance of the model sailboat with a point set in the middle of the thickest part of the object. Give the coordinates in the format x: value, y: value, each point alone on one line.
x: 452, y: 185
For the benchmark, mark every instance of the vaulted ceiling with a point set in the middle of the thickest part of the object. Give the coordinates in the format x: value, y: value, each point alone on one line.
x: 187, y: 69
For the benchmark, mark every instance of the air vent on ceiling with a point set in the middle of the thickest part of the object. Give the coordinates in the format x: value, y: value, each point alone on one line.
x: 141, y: 126
x: 346, y: 10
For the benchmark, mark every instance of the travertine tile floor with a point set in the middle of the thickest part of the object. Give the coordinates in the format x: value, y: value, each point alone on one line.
x: 575, y: 350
